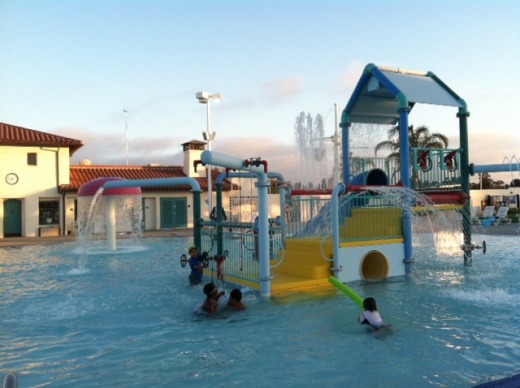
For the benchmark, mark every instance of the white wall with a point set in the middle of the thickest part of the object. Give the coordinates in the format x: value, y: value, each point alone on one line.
x: 34, y: 182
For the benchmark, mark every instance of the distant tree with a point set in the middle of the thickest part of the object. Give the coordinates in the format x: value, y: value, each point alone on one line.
x: 500, y: 185
x: 419, y: 138
x: 515, y: 183
x: 475, y: 186
x: 486, y: 181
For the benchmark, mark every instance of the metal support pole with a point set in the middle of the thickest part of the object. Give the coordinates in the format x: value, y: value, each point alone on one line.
x: 463, y: 115
x: 263, y: 234
x: 220, y: 217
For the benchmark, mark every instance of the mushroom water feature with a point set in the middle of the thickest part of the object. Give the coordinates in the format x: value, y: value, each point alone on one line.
x: 112, y: 204
x: 108, y: 210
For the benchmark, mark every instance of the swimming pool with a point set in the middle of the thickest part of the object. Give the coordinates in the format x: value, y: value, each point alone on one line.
x: 126, y: 319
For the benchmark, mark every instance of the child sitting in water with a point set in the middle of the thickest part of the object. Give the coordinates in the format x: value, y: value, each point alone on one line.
x: 235, y: 300
x: 371, y: 316
x: 212, y: 296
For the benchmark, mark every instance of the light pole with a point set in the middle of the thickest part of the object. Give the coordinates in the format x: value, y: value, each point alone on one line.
x: 205, y: 98
x: 126, y: 134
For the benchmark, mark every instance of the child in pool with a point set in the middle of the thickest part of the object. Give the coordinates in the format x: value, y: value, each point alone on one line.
x: 212, y: 296
x: 371, y: 316
x: 235, y: 300
x: 196, y: 263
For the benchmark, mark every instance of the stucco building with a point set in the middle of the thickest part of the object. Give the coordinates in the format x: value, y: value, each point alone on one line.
x: 38, y: 185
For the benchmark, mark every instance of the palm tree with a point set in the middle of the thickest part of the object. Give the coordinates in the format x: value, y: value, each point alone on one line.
x: 419, y: 138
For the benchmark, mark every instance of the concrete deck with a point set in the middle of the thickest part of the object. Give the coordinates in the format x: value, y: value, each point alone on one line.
x: 22, y: 241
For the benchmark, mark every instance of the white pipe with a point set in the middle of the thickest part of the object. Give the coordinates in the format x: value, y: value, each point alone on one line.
x: 218, y: 159
x: 338, y: 190
x: 262, y: 184
x: 263, y: 235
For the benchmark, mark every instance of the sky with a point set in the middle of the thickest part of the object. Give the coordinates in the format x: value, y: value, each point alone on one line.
x: 72, y: 68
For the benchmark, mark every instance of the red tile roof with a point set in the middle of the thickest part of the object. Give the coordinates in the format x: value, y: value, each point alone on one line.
x: 80, y: 175
x: 12, y: 135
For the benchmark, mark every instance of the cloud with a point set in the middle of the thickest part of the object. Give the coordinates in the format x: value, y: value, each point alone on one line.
x: 282, y: 89
x: 282, y: 158
x: 109, y: 149
x: 350, y: 77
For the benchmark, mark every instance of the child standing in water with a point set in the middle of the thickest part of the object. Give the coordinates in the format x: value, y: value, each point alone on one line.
x: 370, y: 316
x: 196, y: 263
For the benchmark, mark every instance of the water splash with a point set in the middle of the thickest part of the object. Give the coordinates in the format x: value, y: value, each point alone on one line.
x: 444, y: 226
x: 85, y: 228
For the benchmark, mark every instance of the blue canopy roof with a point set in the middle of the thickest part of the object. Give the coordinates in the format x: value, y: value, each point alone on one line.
x: 381, y: 92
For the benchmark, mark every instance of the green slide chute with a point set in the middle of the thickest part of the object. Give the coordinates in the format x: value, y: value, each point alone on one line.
x: 347, y: 291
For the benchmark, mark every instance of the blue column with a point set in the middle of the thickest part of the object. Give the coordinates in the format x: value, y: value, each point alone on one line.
x: 404, y: 143
x: 345, y: 149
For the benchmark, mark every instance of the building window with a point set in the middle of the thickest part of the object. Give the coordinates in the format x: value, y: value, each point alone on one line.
x: 31, y: 159
x: 49, y: 213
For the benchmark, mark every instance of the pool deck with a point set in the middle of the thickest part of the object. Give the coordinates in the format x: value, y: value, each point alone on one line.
x: 23, y: 241
x: 502, y: 229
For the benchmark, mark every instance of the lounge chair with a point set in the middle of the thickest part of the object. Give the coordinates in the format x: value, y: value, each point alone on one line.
x: 487, y: 218
x: 474, y: 219
x: 501, y: 217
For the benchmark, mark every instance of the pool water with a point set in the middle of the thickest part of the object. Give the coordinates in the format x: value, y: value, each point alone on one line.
x: 127, y: 319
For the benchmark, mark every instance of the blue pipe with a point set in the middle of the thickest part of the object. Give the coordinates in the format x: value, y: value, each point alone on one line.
x: 494, y: 168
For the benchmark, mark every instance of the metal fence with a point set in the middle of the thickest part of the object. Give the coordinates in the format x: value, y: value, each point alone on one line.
x: 241, y: 251
x: 430, y: 169
x: 435, y: 169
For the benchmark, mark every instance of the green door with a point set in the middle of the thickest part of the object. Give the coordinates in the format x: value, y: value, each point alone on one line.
x: 174, y: 213
x: 12, y: 218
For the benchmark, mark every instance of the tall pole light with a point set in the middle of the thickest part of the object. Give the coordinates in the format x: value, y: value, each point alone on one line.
x: 205, y: 98
x: 337, y: 143
x: 126, y: 134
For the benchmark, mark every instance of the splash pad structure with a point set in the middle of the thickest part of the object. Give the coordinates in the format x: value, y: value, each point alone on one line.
x: 371, y: 217
x: 366, y: 224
